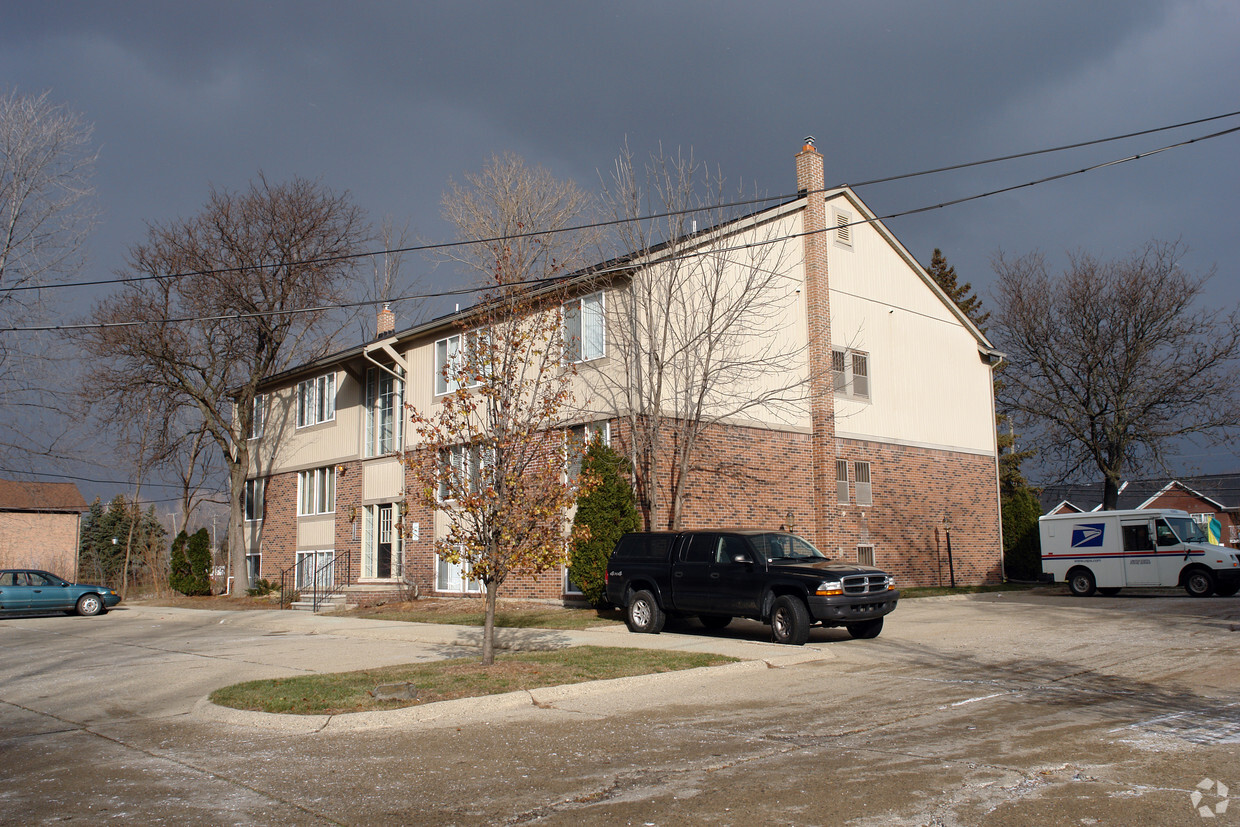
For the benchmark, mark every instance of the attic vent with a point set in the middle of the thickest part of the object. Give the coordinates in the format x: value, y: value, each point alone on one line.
x: 843, y: 228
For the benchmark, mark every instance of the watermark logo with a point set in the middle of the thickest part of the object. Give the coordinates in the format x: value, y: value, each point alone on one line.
x: 1210, y: 790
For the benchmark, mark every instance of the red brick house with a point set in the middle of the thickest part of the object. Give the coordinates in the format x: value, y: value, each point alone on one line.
x: 40, y: 525
x: 889, y: 445
x: 1206, y: 497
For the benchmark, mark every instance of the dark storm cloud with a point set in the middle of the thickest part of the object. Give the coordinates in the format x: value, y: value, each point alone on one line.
x: 391, y: 100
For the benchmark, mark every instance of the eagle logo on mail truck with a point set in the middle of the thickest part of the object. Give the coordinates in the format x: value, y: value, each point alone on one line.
x: 1087, y: 535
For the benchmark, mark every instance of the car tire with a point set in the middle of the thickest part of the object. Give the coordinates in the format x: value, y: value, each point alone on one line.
x: 1109, y: 591
x: 1081, y: 582
x: 1199, y: 583
x: 89, y: 605
x: 1228, y: 590
x: 643, y: 614
x: 866, y: 630
x: 790, y: 621
x: 715, y: 622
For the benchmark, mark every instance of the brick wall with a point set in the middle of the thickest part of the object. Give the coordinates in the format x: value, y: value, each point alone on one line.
x: 39, y: 541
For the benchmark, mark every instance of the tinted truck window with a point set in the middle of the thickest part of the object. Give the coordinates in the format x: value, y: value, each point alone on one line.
x: 643, y: 546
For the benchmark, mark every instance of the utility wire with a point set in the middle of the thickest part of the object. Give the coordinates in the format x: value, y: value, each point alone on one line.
x: 650, y: 217
x: 618, y: 268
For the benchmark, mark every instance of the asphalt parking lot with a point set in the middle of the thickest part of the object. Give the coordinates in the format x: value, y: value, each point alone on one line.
x: 991, y: 709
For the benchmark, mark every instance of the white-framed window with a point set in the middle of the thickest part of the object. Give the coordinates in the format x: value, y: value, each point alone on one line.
x: 383, y: 419
x: 579, y: 438
x: 254, y: 493
x: 450, y: 360
x: 585, y: 329
x: 865, y: 554
x: 254, y: 565
x: 381, y: 542
x: 843, y: 228
x: 316, y: 400
x: 865, y: 493
x: 841, y: 481
x: 315, y: 565
x: 462, y: 468
x: 259, y: 418
x: 850, y: 370
x: 569, y: 586
x: 316, y: 491
x: 454, y: 577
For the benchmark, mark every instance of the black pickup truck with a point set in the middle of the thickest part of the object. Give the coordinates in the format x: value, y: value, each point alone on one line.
x: 771, y: 576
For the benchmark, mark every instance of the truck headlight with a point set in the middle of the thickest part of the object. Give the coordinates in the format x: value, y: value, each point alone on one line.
x: 829, y: 587
x: 891, y: 582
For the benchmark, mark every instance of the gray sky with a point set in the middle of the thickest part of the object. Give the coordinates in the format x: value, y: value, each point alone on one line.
x: 391, y: 100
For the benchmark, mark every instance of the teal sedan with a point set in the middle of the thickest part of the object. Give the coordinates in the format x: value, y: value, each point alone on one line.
x: 30, y: 590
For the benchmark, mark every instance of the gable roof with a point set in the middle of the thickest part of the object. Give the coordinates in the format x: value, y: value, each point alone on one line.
x: 17, y: 495
x: 1220, y: 490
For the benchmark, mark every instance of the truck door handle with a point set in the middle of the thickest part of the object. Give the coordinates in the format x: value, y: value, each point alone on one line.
x: 714, y: 575
x: 678, y: 574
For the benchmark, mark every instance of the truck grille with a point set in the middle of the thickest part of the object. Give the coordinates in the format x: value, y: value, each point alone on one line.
x: 865, y: 584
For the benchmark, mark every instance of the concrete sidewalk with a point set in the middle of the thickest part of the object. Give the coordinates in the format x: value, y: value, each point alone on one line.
x: 345, y: 643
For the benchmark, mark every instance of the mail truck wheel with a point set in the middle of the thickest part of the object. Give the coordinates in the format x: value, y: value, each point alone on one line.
x: 1081, y: 582
x: 1199, y: 583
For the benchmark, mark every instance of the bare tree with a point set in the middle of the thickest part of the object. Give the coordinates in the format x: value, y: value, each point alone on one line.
x: 46, y: 213
x: 1112, y: 362
x: 490, y: 453
x: 237, y: 293
x: 696, y: 334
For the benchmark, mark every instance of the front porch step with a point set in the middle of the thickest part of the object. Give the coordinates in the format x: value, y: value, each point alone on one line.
x: 327, y: 604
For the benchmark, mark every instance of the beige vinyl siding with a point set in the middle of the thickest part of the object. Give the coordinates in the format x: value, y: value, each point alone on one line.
x: 316, y: 532
x: 381, y: 479
x: 285, y: 447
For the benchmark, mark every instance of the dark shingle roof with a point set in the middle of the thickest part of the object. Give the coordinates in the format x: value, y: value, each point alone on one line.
x: 1221, y: 488
x: 16, y: 495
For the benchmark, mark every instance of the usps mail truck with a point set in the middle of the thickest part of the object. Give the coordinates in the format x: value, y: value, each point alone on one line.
x: 1108, y: 550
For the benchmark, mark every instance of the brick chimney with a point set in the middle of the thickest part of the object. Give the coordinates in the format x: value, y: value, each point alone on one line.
x: 386, y: 324
x: 810, y: 183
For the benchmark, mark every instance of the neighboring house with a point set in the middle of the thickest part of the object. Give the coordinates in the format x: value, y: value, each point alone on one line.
x: 1207, y: 497
x: 40, y: 524
x: 888, y: 451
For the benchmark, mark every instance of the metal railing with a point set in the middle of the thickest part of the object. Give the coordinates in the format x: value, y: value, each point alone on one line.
x: 327, y: 580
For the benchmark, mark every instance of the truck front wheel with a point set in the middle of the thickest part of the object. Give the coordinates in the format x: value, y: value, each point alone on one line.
x: 866, y: 629
x: 790, y: 621
x: 1199, y: 583
x: 1081, y: 582
x: 644, y: 614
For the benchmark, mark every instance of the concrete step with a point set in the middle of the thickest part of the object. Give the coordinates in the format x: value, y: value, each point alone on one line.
x: 328, y: 604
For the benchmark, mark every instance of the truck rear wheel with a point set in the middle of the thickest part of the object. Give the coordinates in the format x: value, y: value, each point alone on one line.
x: 1199, y: 583
x: 644, y: 615
x: 790, y: 621
x: 1081, y: 582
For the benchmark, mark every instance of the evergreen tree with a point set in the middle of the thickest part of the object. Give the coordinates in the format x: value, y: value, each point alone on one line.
x: 962, y: 294
x: 608, y: 511
x: 1018, y: 503
x: 191, y: 563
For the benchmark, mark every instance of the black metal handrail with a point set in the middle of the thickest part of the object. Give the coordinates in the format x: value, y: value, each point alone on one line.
x: 321, y: 592
x: 286, y: 594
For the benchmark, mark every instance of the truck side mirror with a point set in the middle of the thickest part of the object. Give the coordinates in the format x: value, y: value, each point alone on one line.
x: 741, y: 558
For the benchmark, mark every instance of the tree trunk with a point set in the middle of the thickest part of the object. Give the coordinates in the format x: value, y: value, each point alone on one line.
x: 236, y: 526
x: 488, y: 626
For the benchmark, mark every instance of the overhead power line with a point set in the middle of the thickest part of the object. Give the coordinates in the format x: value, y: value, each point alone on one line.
x: 604, y: 271
x: 418, y: 248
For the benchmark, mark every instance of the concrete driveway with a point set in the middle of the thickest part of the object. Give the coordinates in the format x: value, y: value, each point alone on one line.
x: 1011, y: 709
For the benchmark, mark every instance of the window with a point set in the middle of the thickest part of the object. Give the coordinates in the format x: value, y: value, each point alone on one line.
x: 1137, y: 537
x: 454, y: 577
x: 865, y: 554
x: 254, y: 565
x: 254, y: 492
x: 463, y: 468
x: 383, y: 419
x: 316, y: 491
x: 259, y: 418
x: 579, y: 439
x: 451, y: 362
x: 865, y: 494
x: 851, y: 372
x: 584, y: 329
x: 315, y: 568
x: 841, y: 481
x: 843, y: 228
x: 316, y: 400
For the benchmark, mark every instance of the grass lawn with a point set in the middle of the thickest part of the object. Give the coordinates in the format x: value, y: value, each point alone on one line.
x: 939, y: 591
x: 471, y: 611
x: 342, y: 692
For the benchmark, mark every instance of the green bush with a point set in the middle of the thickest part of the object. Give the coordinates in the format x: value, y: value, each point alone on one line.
x: 262, y: 588
x: 609, y: 511
x: 1022, y: 548
x: 191, y: 563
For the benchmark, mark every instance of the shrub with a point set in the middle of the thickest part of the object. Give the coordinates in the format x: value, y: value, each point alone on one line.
x: 609, y: 511
x: 191, y: 563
